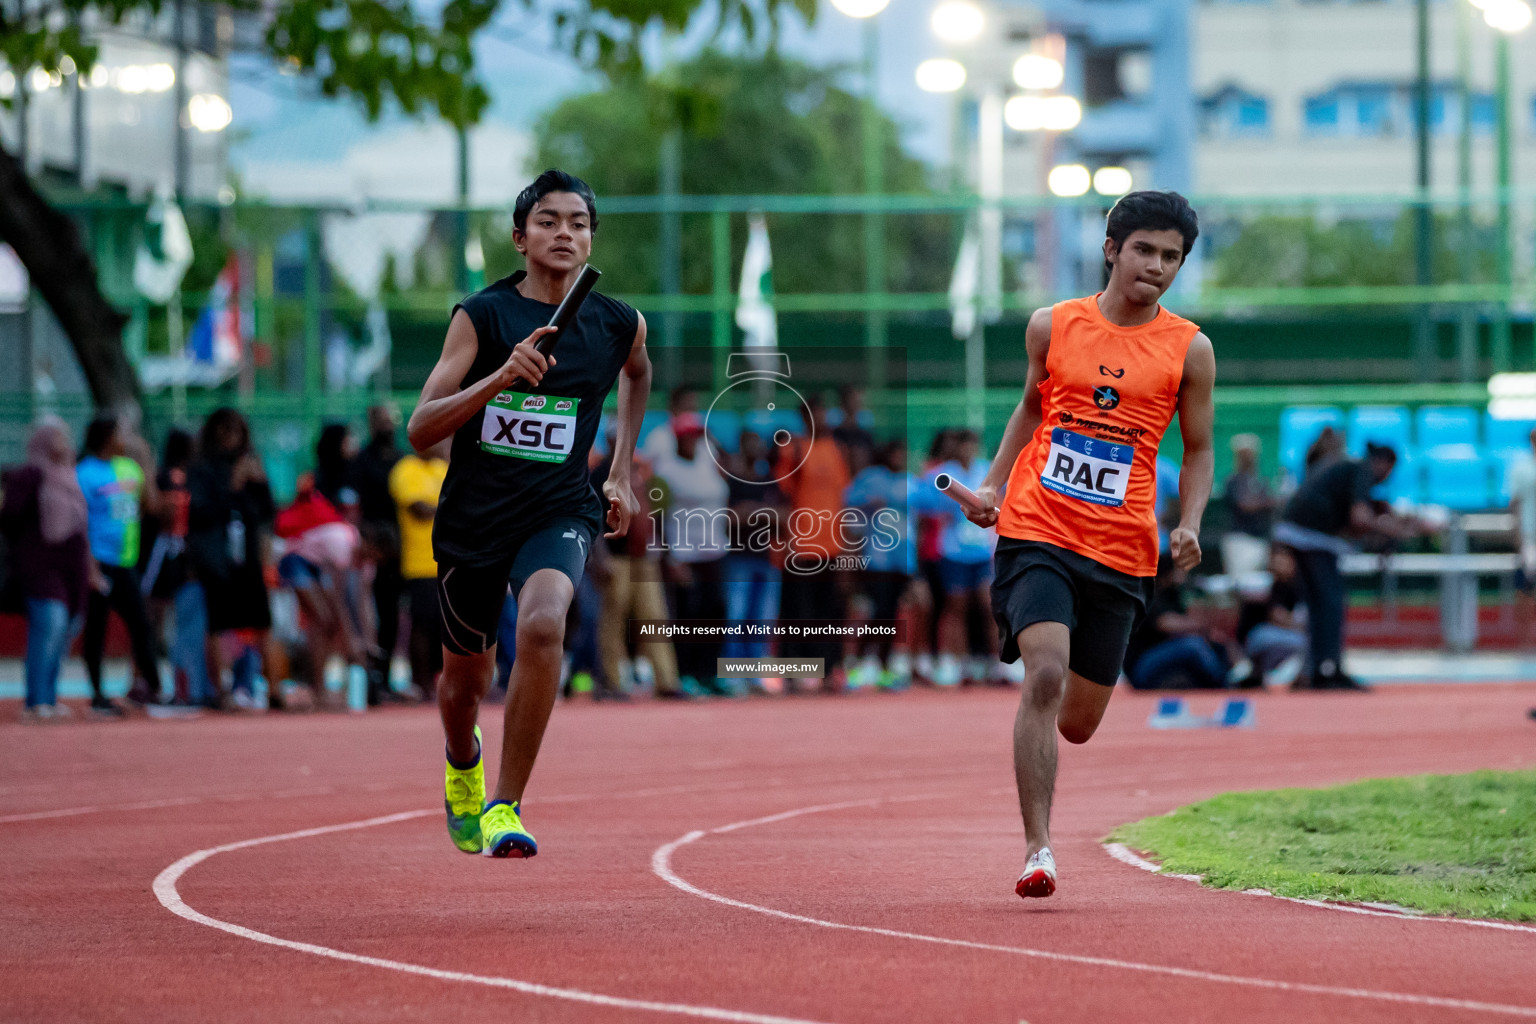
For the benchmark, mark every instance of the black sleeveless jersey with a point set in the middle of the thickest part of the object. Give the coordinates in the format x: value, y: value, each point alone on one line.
x: 522, y: 460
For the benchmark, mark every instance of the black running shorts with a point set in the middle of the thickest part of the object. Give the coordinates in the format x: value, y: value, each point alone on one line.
x: 471, y: 596
x: 1039, y: 582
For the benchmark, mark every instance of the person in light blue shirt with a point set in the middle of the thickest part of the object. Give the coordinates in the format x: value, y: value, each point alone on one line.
x: 117, y: 490
x: 884, y: 492
x: 965, y: 565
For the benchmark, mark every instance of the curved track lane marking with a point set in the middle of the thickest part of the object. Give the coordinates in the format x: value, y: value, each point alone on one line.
x: 661, y: 864
x: 1125, y: 855
x: 170, y: 898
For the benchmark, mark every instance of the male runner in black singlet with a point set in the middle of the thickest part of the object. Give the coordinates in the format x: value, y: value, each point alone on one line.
x: 516, y: 507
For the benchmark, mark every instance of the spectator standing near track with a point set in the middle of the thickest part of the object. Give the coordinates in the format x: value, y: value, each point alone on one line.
x: 1077, y: 535
x: 633, y: 590
x: 662, y: 439
x: 415, y: 485
x: 1250, y: 500
x: 1332, y: 504
x: 965, y: 565
x: 885, y: 492
x: 852, y: 430
x: 334, y: 451
x: 229, y: 514
x: 753, y: 581
x: 378, y: 511
x: 116, y: 476
x: 813, y: 474
x: 168, y: 581
x: 44, y: 518
x: 697, y: 540
x: 516, y: 503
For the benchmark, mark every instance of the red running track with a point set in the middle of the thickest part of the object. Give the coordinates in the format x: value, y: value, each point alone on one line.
x: 879, y: 887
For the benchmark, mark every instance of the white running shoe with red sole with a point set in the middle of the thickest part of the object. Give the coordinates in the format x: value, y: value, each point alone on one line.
x: 1039, y: 877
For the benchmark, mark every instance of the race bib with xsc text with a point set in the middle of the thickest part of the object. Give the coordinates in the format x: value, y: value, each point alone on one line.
x: 537, y: 427
x: 1088, y: 469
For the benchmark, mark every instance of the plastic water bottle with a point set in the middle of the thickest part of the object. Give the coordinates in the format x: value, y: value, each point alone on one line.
x: 645, y: 676
x: 357, y: 688
x: 236, y: 535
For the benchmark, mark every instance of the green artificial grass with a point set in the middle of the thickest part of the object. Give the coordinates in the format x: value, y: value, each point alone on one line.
x: 1457, y: 845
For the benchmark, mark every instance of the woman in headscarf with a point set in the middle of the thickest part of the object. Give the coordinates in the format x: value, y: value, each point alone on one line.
x: 44, y: 520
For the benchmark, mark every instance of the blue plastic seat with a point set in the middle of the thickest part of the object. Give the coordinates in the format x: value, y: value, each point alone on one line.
x: 1436, y: 425
x: 1456, y: 476
x: 1508, y: 435
x: 1380, y: 424
x: 1299, y: 427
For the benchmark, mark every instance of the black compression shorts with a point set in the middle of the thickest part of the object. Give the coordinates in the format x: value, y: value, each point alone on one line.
x: 1039, y: 582
x: 471, y: 596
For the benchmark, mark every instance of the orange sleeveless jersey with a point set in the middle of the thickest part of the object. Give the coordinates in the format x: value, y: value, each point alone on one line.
x: 1087, y: 479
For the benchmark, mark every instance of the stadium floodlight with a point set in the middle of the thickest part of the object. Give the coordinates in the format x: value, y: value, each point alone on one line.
x: 1042, y: 113
x: 1068, y: 180
x: 159, y: 77
x: 1033, y: 71
x: 957, y: 21
x: 209, y: 112
x: 1508, y: 16
x: 940, y: 75
x: 1111, y: 181
x: 861, y: 8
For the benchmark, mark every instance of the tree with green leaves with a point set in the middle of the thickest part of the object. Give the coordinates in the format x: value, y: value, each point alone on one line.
x: 376, y: 51
x: 749, y: 125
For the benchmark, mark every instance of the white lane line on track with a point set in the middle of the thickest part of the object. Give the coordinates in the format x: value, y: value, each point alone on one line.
x: 661, y: 864
x: 557, y: 798
x: 1126, y: 855
x: 170, y: 898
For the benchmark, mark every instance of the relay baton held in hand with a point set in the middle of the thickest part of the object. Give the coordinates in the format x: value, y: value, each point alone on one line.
x: 963, y: 495
x: 565, y: 314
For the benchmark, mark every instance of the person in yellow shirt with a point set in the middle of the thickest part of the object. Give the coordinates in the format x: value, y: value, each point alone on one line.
x: 415, y: 483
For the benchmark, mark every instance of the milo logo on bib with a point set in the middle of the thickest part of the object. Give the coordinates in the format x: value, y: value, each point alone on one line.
x: 529, y: 427
x: 1087, y: 469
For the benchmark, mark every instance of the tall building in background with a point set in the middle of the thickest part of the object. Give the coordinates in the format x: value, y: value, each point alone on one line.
x: 150, y: 114
x: 1226, y: 98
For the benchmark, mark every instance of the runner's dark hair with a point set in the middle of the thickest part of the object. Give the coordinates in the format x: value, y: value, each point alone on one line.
x: 552, y: 180
x: 1151, y: 210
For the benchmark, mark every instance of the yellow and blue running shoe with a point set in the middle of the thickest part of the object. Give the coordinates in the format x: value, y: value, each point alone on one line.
x: 464, y: 798
x: 504, y: 832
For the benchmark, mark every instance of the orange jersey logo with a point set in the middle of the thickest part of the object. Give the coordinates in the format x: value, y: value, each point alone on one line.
x: 1087, y: 479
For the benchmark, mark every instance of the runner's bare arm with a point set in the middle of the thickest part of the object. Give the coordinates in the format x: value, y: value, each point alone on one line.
x: 1025, y: 419
x: 443, y: 407
x: 1196, y: 424
x: 634, y: 389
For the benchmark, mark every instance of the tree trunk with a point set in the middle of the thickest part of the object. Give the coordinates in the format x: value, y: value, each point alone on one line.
x: 49, y: 246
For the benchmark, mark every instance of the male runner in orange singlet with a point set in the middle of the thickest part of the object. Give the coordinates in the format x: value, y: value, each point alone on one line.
x: 1077, y: 531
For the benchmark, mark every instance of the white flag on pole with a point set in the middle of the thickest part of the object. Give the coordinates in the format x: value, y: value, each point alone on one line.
x: 164, y: 253
x: 965, y: 283
x: 754, y: 305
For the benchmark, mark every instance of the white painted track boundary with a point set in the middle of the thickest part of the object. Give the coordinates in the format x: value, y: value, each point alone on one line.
x: 661, y: 864
x: 1126, y: 855
x: 170, y: 898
